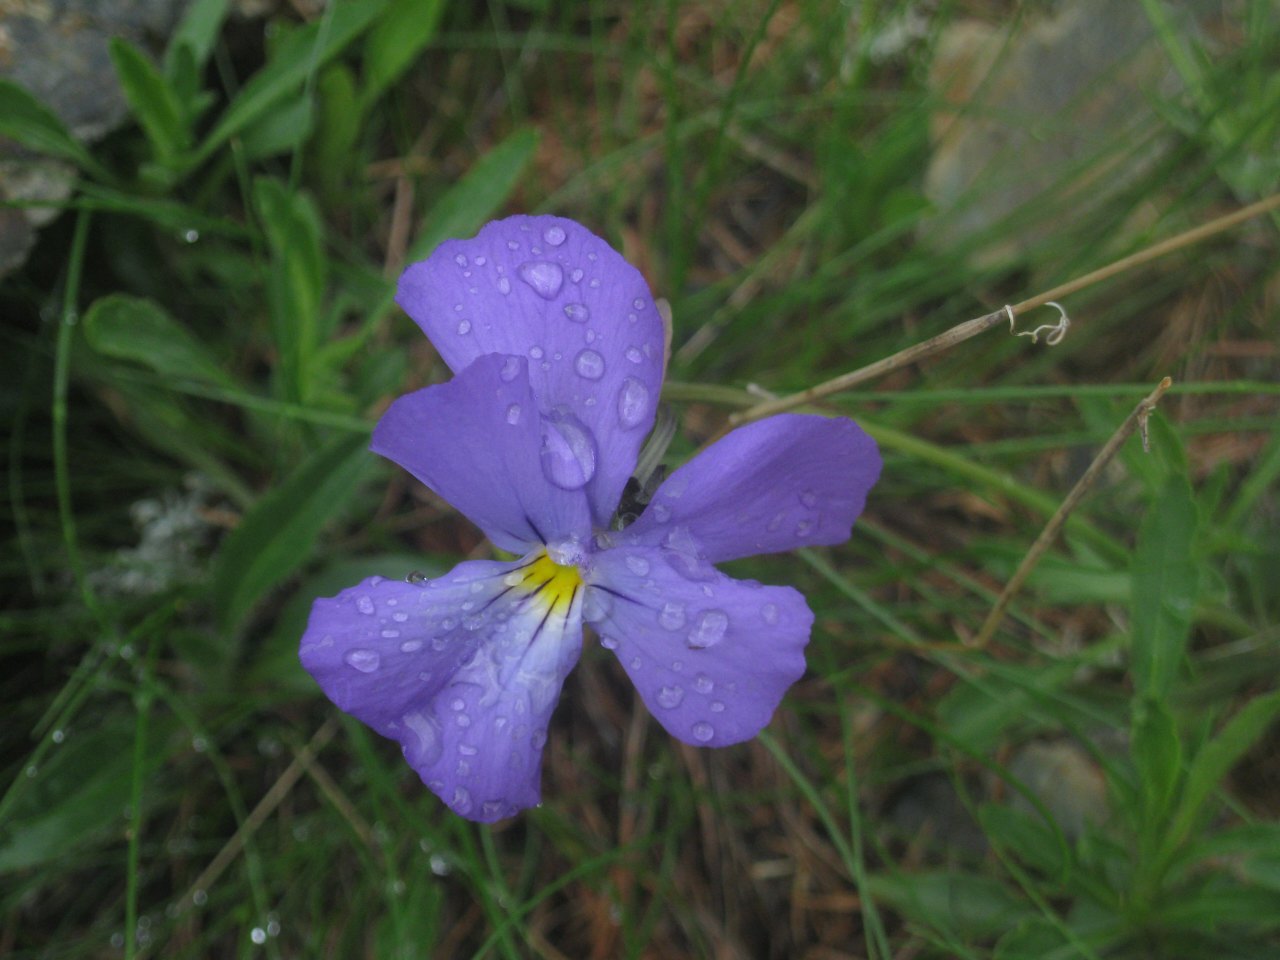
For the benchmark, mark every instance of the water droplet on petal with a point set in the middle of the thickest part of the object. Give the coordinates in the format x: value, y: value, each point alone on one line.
x: 577, y: 312
x: 536, y: 352
x: 633, y: 403
x: 635, y: 663
x: 637, y: 564
x: 513, y: 414
x: 568, y: 451
x: 769, y: 612
x: 460, y: 260
x: 364, y: 605
x: 670, y: 697
x: 510, y: 369
x: 595, y: 605
x: 553, y: 236
x: 609, y: 643
x: 399, y: 616
x: 809, y: 498
x: 464, y: 327
x: 638, y: 303
x: 709, y: 629
x: 544, y: 277
x: 634, y: 354
x: 426, y: 747
x: 576, y: 276
x: 717, y: 706
x: 411, y: 646
x: 703, y: 684
x: 504, y: 286
x: 661, y: 512
x: 804, y: 528
x: 390, y: 634
x: 461, y: 801
x: 589, y: 364
x: 481, y: 261
x: 366, y: 661
x: 672, y: 615
x: 703, y: 731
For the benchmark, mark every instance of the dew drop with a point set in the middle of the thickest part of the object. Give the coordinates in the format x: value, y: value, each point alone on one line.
x: 703, y: 684
x: 536, y: 352
x: 577, y: 312
x: 703, y: 731
x: 576, y: 276
x: 589, y: 364
x: 635, y: 663
x: 709, y: 630
x: 769, y: 612
x: 543, y: 277
x: 513, y: 414
x: 804, y: 528
x: 411, y: 646
x: 670, y: 697
x: 461, y: 801
x: 661, y: 512
x: 366, y: 661
x: 638, y: 303
x: 364, y: 605
x: 510, y: 369
x: 637, y: 564
x: 480, y: 261
x: 464, y: 327
x: 553, y: 236
x: 426, y: 746
x: 399, y: 616
x: 568, y: 451
x: 457, y: 703
x: 390, y: 634
x: 672, y: 615
x: 460, y: 260
x: 809, y: 498
x: 504, y: 286
x: 609, y: 643
x: 633, y: 403
x: 634, y: 355
x: 595, y: 605
x: 717, y: 706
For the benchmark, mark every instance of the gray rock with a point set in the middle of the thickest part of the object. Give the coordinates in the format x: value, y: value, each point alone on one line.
x: 57, y: 49
x: 1056, y: 109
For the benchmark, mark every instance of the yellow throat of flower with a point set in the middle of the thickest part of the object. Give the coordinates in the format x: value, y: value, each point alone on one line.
x: 551, y: 586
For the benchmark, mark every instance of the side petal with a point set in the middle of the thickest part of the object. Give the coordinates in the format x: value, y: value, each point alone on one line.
x: 792, y: 480
x: 463, y: 671
x: 548, y: 289
x: 479, y: 442
x: 711, y: 658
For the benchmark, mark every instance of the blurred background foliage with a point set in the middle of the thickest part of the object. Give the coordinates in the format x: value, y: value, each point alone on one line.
x: 202, y: 334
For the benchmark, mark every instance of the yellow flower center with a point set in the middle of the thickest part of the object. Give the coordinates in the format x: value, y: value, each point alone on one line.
x: 553, y: 587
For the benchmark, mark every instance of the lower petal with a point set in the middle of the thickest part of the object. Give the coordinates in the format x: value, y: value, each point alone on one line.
x: 463, y: 671
x: 711, y: 657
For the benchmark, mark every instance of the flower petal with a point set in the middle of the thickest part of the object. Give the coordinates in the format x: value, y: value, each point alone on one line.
x: 548, y: 289
x: 712, y: 657
x: 789, y: 481
x: 479, y: 442
x: 464, y: 671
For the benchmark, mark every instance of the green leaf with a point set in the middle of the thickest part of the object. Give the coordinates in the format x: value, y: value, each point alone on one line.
x: 1215, y: 760
x: 78, y: 794
x: 296, y: 284
x: 139, y: 330
x: 967, y: 904
x: 284, y: 129
x: 153, y: 101
x: 472, y: 202
x: 276, y: 536
x: 305, y: 51
x: 395, y: 42
x: 1033, y: 840
x: 1157, y: 756
x: 338, y: 129
x: 1165, y: 584
x: 197, y: 33
x: 29, y: 122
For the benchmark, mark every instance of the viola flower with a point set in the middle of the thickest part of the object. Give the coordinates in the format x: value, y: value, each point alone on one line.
x: 557, y: 352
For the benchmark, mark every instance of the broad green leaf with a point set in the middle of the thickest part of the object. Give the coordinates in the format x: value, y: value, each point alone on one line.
x: 285, y: 128
x: 1028, y: 836
x: 29, y: 122
x: 152, y: 100
x: 197, y: 33
x: 1165, y: 583
x: 78, y: 794
x: 276, y: 536
x: 394, y: 42
x: 308, y: 49
x: 296, y: 284
x: 137, y: 329
x: 475, y: 198
x: 968, y: 904
x: 1157, y: 756
x: 1215, y: 760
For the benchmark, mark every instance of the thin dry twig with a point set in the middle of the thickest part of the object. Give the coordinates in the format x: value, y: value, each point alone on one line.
x: 1137, y: 420
x: 971, y: 328
x: 279, y: 790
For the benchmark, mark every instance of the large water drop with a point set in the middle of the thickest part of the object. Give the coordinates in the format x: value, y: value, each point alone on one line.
x: 589, y: 364
x: 633, y: 403
x: 568, y: 451
x: 366, y: 661
x: 544, y: 277
x: 709, y: 629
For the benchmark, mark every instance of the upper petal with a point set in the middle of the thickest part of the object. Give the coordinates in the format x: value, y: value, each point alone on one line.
x: 548, y: 289
x: 464, y: 671
x: 480, y: 442
x: 788, y: 481
x: 711, y: 657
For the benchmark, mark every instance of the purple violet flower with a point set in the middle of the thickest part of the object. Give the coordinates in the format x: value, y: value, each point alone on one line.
x: 557, y: 351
